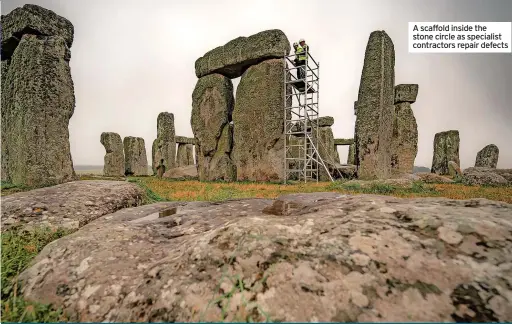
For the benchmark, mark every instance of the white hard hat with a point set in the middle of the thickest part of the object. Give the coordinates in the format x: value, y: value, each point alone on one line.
x: 301, y: 40
x: 295, y: 44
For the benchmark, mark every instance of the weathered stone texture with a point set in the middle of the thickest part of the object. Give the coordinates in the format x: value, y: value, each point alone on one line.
x: 164, y: 147
x: 406, y: 93
x: 37, y: 102
x: 327, y: 150
x: 446, y: 148
x: 189, y: 148
x: 136, y: 161
x: 113, y: 164
x: 3, y: 124
x: 220, y: 166
x: 322, y: 257
x: 185, y: 155
x: 258, y: 149
x: 405, y: 139
x: 188, y: 172
x: 185, y: 140
x: 351, y: 158
x: 343, y: 141
x: 33, y: 20
x: 454, y: 170
x: 70, y: 205
x: 487, y: 176
x: 488, y: 157
x: 375, y: 109
x: 212, y: 106
x: 237, y: 55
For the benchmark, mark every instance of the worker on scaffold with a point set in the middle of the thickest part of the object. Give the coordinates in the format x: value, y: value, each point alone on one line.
x: 300, y: 57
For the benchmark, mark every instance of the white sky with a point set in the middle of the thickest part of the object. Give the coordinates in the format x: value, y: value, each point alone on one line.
x: 134, y: 59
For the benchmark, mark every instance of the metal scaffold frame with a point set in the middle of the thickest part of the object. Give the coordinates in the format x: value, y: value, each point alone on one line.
x: 301, y: 112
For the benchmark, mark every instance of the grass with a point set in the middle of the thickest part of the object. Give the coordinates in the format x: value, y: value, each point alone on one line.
x: 218, y: 191
x: 19, y: 247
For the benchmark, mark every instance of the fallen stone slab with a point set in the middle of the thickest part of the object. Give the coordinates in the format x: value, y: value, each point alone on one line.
x: 232, y: 59
x: 70, y: 205
x: 309, y: 257
x: 478, y: 176
x: 428, y: 177
x: 406, y: 93
x: 188, y: 172
x: 185, y: 140
x: 34, y: 20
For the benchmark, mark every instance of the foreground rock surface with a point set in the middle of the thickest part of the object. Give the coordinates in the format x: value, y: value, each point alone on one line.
x: 70, y: 205
x: 232, y: 59
x: 37, y: 103
x: 304, y: 257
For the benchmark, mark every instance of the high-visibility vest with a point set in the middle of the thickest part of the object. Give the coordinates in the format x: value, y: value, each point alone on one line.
x: 300, y: 52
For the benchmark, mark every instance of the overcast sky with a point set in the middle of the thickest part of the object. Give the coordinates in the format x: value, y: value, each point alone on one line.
x: 133, y: 59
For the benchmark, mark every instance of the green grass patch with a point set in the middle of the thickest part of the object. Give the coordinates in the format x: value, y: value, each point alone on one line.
x: 149, y: 197
x: 19, y: 247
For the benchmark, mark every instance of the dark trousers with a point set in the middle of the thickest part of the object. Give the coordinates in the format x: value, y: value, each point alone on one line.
x: 301, y: 69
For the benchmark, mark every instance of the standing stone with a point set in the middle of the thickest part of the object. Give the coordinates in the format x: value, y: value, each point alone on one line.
x: 446, y: 148
x: 405, y: 139
x: 258, y: 119
x: 221, y: 166
x: 37, y: 103
x: 113, y: 162
x: 189, y: 148
x: 351, y: 159
x: 136, y: 161
x: 326, y: 149
x: 375, y: 109
x: 163, y: 152
x: 181, y: 156
x: 488, y: 157
x: 3, y: 124
x: 212, y: 106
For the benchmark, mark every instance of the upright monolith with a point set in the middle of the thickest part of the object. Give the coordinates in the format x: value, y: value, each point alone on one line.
x: 136, y: 162
x: 375, y: 110
x: 164, y: 147
x: 212, y: 106
x: 37, y: 97
x: 258, y: 119
x: 488, y: 157
x: 446, y: 149
x: 113, y: 162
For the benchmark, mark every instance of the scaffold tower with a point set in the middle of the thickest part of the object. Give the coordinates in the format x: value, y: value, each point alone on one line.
x: 302, y: 162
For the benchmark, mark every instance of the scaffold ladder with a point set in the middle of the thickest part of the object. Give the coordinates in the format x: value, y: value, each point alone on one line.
x: 302, y: 160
